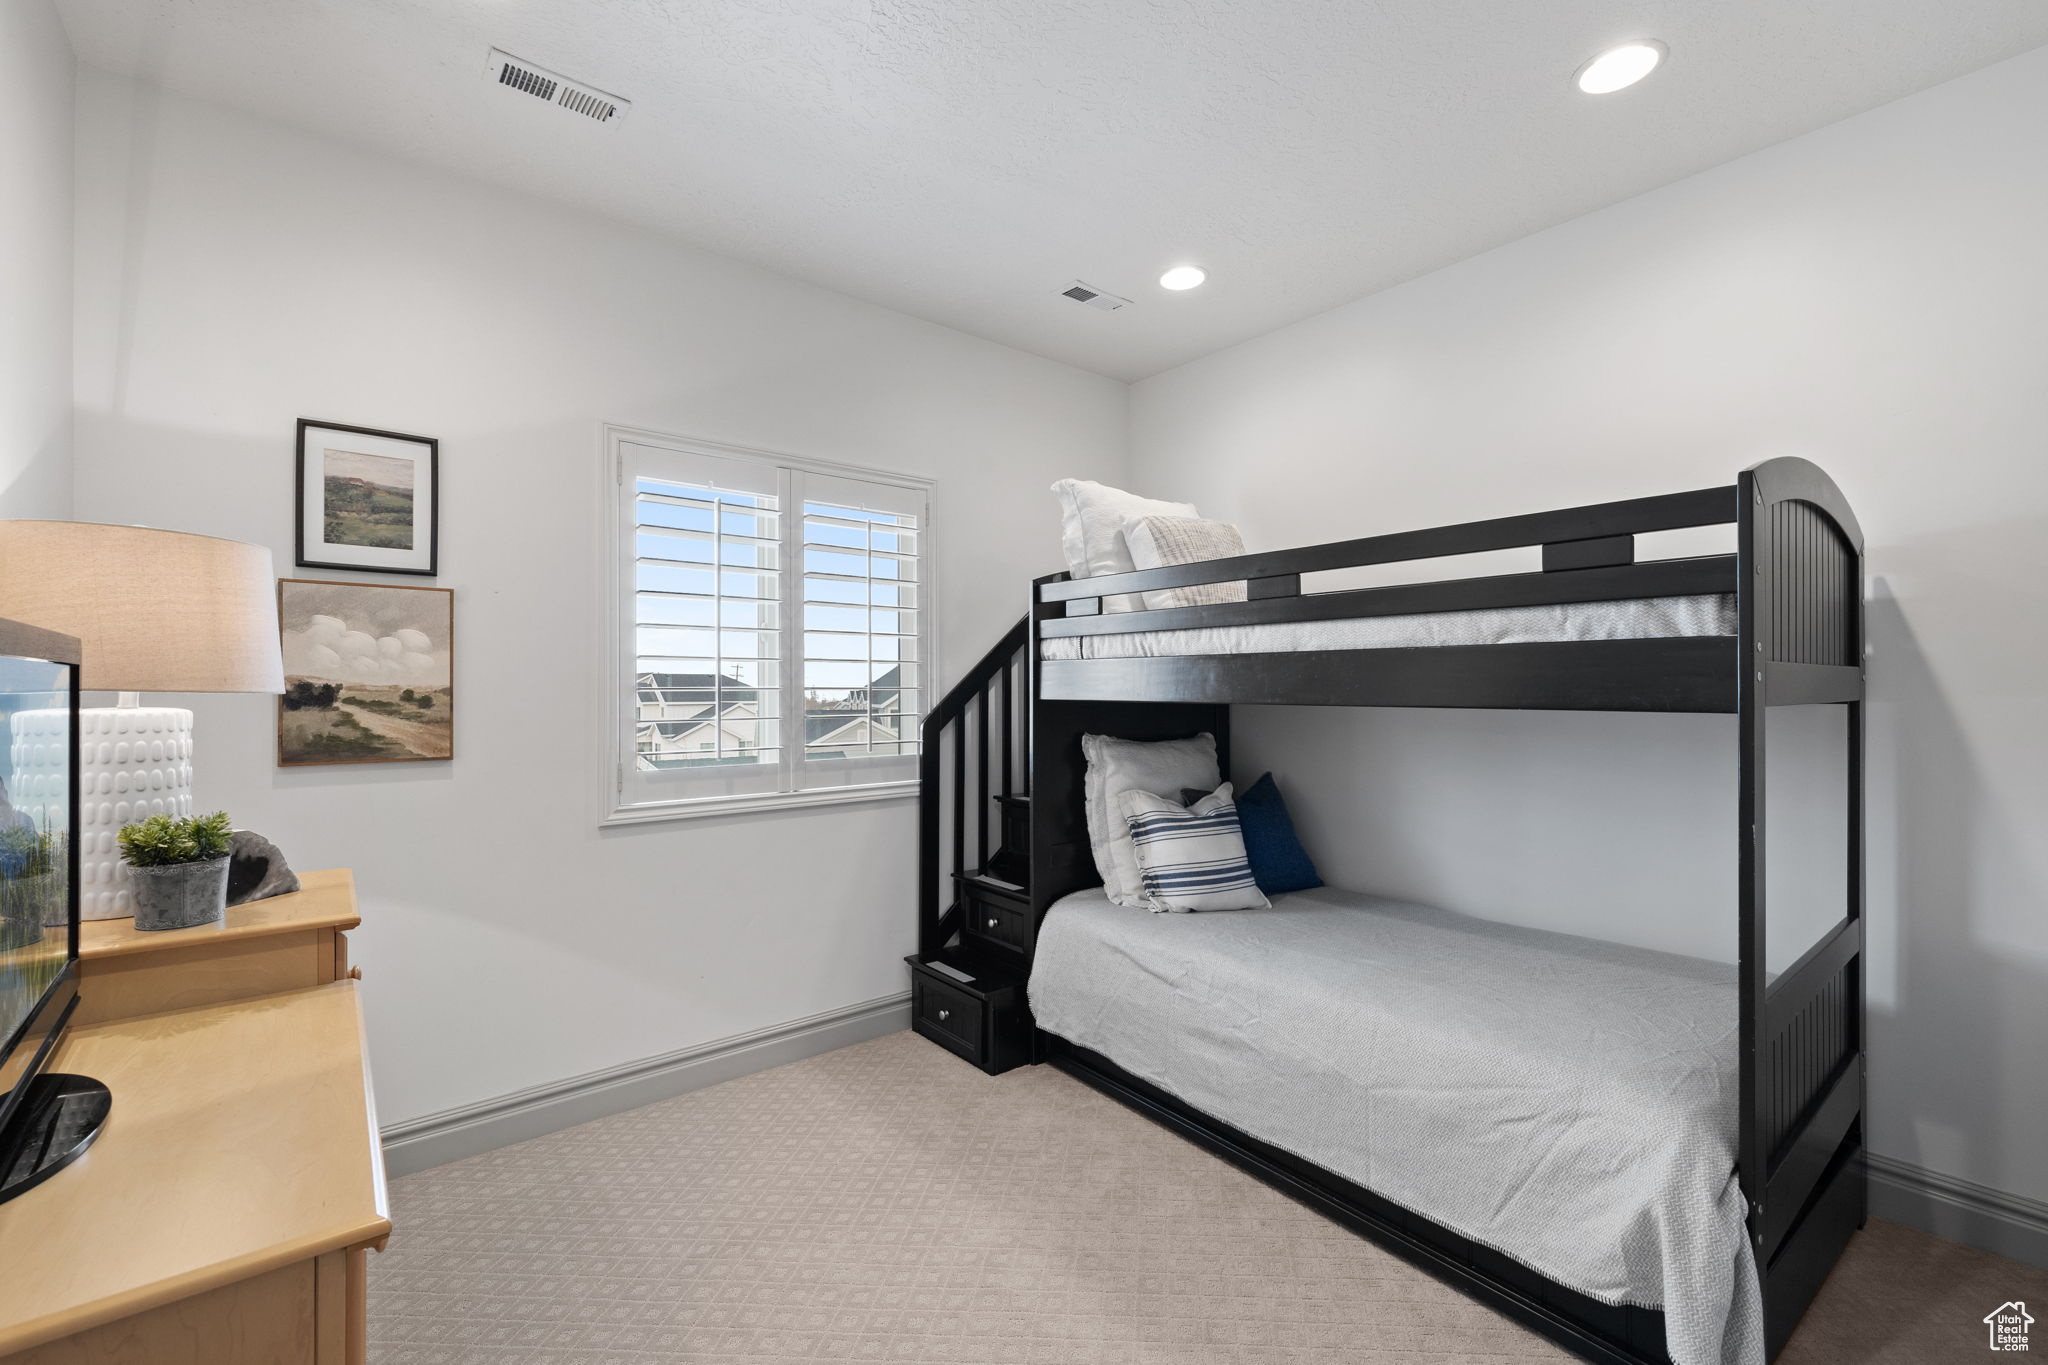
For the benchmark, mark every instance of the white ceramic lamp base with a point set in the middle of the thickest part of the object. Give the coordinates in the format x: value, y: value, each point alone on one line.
x: 133, y: 762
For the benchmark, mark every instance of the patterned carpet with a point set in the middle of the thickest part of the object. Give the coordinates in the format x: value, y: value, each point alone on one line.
x: 888, y: 1202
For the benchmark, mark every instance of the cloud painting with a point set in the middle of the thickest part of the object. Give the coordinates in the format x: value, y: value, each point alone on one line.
x: 369, y: 673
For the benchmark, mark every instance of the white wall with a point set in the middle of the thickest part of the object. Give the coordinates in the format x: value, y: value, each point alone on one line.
x: 35, y: 261
x: 1873, y: 296
x: 235, y: 276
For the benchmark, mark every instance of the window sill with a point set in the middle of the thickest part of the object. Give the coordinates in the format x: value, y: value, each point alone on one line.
x: 756, y: 802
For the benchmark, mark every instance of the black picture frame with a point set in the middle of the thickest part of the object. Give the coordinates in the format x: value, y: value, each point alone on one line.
x: 370, y: 559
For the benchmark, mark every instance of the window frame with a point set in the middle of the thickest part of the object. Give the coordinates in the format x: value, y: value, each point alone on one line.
x: 619, y: 803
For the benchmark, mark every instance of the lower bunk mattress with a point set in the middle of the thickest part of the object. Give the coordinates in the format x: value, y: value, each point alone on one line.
x: 1570, y: 1103
x: 1637, y: 618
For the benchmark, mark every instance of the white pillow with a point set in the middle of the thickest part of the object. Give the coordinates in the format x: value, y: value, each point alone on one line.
x: 1116, y: 766
x: 1191, y: 857
x: 1156, y: 542
x: 1092, y: 517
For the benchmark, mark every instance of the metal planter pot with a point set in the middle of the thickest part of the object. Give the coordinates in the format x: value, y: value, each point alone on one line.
x: 180, y: 895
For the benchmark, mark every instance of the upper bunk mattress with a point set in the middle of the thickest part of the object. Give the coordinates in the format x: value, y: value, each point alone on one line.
x: 1567, y: 1102
x: 1640, y: 618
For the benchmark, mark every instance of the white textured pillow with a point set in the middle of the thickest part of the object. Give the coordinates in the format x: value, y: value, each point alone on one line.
x: 1191, y: 857
x: 1092, y: 517
x: 1116, y: 766
x: 1156, y: 542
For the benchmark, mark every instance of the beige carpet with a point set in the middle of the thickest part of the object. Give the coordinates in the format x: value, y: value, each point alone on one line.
x: 888, y: 1202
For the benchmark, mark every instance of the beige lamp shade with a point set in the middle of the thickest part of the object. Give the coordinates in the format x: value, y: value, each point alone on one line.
x: 154, y: 611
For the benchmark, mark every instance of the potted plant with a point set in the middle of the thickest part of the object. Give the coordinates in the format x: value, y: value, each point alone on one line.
x: 178, y: 869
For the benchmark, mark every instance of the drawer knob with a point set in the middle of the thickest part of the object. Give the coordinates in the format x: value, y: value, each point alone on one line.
x: 944, y: 1015
x: 991, y: 921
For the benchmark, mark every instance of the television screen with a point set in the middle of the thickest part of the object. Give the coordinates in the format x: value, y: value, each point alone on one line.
x: 35, y: 808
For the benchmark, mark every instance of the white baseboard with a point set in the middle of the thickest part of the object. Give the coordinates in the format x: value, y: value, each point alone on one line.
x: 1991, y: 1220
x: 436, y: 1139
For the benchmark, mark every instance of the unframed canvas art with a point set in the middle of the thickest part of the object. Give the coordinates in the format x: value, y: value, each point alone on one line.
x: 369, y: 673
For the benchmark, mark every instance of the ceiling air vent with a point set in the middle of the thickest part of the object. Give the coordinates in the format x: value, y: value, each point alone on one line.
x: 530, y: 79
x: 1093, y: 297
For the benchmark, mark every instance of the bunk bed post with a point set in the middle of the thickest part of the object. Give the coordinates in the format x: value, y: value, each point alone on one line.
x: 1800, y: 1154
x: 1753, y: 595
x: 1858, y: 979
x: 1853, y: 728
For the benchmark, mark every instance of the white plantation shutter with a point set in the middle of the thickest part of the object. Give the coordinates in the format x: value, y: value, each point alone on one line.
x: 775, y: 620
x: 707, y: 623
x: 859, y: 660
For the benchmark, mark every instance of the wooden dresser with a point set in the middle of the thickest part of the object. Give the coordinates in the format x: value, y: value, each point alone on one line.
x: 224, y: 1213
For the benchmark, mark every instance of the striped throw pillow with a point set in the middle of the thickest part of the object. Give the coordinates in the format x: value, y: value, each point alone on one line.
x: 1158, y: 541
x: 1191, y: 857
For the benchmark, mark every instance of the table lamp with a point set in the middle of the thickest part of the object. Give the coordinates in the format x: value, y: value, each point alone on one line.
x: 154, y: 611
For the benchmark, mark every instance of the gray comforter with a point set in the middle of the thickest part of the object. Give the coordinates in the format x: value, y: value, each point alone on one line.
x: 1567, y: 1102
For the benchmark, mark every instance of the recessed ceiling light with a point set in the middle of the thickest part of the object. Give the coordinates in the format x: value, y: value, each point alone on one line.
x: 1183, y: 277
x: 1619, y: 67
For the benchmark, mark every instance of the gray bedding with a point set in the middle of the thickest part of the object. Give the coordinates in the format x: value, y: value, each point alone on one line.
x: 1567, y: 1102
x: 1643, y: 618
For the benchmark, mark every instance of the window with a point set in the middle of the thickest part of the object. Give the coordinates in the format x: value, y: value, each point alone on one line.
x: 770, y: 629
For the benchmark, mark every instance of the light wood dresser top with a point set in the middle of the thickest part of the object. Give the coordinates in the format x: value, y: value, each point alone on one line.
x: 242, y: 1138
x: 324, y: 900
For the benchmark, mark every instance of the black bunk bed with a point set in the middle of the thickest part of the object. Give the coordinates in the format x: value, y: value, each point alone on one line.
x: 1003, y: 839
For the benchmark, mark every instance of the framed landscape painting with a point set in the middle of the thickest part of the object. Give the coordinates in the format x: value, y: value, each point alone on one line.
x: 369, y: 673
x: 368, y: 499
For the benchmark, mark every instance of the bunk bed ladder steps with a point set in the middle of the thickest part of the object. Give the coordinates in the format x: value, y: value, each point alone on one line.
x: 974, y: 806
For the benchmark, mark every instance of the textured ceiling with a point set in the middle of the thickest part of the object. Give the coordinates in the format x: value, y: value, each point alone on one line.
x: 962, y: 160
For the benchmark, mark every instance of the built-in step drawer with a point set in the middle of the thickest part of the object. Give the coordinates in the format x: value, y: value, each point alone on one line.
x: 995, y: 912
x: 939, y: 1007
x: 970, y: 1008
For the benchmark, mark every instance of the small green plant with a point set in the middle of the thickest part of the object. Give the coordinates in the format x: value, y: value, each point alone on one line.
x: 162, y: 840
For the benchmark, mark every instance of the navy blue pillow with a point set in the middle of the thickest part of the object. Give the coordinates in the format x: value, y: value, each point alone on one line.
x: 1279, y: 862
